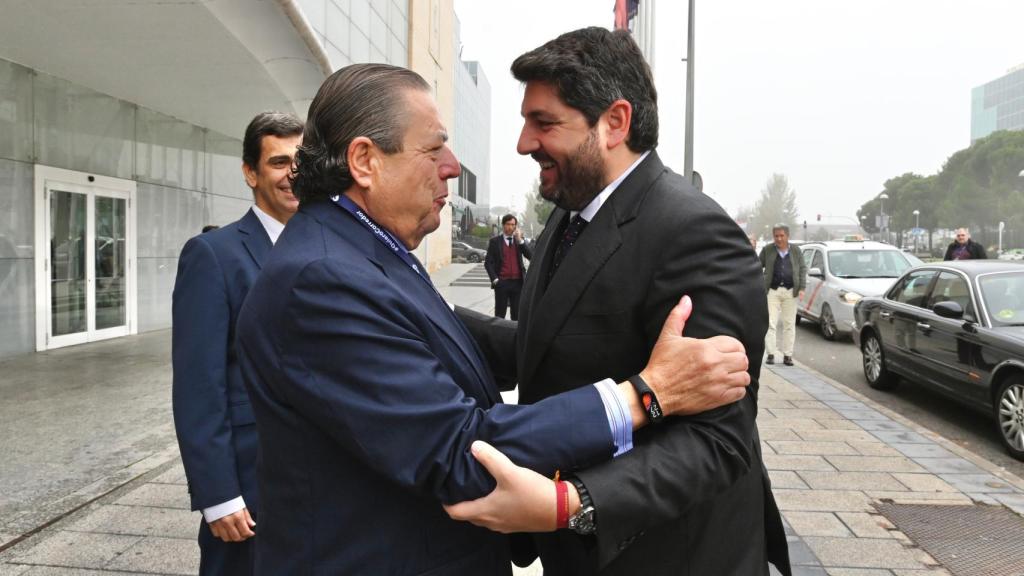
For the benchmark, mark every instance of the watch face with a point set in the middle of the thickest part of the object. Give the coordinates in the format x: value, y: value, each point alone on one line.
x: 583, y: 521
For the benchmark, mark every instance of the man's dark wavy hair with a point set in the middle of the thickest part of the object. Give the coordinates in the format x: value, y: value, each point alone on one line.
x: 593, y: 67
x: 358, y: 100
x: 267, y: 124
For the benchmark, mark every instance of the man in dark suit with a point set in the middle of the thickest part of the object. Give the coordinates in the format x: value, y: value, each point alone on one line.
x: 212, y: 414
x: 368, y: 391
x: 504, y: 265
x: 628, y: 237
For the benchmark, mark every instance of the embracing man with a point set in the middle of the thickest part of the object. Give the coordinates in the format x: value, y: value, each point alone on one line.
x: 628, y: 237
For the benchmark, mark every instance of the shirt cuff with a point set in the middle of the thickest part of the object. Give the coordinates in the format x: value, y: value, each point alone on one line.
x: 214, y: 513
x: 619, y: 419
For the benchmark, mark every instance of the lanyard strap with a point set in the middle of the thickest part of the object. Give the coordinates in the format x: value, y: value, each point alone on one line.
x: 381, y: 234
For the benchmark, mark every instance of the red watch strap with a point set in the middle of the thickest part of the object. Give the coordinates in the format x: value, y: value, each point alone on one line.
x: 561, y: 504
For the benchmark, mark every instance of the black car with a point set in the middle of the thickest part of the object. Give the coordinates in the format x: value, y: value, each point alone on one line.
x: 471, y: 254
x: 957, y: 327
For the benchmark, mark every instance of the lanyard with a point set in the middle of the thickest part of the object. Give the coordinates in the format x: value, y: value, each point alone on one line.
x: 382, y: 235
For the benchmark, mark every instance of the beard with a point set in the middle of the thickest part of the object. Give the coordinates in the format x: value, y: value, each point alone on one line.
x: 582, y: 176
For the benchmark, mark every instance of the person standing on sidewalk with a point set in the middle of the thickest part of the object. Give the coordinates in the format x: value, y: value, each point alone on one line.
x: 963, y: 248
x: 627, y: 237
x: 212, y: 415
x: 785, y: 279
x: 504, y: 265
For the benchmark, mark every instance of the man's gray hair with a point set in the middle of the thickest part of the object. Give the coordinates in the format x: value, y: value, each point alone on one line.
x: 358, y: 100
x: 782, y: 227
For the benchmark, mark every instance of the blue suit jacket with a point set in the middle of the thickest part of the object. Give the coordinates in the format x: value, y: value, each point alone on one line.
x: 212, y: 415
x: 368, y: 392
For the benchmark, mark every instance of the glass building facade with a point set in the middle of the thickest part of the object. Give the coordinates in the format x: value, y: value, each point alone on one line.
x: 998, y: 105
x: 99, y: 193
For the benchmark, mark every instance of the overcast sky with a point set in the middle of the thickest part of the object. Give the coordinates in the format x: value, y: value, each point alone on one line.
x: 838, y: 96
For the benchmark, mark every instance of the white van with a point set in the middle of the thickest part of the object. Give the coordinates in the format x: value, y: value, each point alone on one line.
x: 840, y: 273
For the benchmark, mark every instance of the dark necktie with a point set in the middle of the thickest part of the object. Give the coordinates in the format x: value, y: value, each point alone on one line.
x: 569, y: 237
x: 509, y: 242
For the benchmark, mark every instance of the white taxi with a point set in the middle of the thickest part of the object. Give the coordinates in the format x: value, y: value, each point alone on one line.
x: 840, y: 273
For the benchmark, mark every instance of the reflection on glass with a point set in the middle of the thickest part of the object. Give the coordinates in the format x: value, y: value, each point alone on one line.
x: 67, y: 259
x: 110, y: 262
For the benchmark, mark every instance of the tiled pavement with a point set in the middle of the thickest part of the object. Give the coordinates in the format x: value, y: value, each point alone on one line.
x: 831, y: 453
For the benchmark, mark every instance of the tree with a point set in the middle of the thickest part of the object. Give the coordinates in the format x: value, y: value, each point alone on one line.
x: 776, y: 205
x: 537, y: 211
x: 977, y: 188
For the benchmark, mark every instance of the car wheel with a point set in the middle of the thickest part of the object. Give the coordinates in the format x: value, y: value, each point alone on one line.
x: 828, y: 323
x: 1010, y: 415
x: 473, y: 258
x: 874, y: 364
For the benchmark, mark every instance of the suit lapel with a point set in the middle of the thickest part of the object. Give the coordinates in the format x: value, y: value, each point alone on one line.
x: 420, y: 293
x: 254, y: 237
x: 543, y: 312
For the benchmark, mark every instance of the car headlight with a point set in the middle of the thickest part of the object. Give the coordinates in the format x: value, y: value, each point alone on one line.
x: 849, y: 297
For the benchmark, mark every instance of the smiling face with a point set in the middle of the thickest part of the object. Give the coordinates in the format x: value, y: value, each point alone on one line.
x: 410, y: 188
x: 567, y: 148
x: 270, y: 180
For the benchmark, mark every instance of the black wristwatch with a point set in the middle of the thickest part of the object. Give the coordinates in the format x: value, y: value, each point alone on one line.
x: 648, y: 399
x: 583, y: 521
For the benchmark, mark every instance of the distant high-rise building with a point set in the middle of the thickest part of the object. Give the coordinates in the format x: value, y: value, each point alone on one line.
x: 998, y: 105
x: 471, y: 142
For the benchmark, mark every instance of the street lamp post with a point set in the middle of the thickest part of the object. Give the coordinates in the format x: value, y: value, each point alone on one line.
x: 917, y: 227
x: 883, y: 225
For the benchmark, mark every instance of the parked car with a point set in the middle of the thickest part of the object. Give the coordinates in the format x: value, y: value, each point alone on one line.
x: 958, y: 328
x: 1012, y: 254
x: 467, y: 252
x: 840, y: 273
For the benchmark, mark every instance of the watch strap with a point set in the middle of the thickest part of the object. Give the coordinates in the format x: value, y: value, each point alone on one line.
x: 584, y: 521
x: 648, y: 399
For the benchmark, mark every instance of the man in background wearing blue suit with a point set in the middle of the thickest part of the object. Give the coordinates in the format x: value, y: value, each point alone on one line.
x: 368, y: 391
x: 212, y: 414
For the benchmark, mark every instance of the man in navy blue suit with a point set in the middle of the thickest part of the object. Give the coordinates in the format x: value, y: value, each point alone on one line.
x: 370, y: 395
x: 212, y: 414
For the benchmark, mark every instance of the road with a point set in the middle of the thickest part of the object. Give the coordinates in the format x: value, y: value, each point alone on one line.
x: 841, y: 361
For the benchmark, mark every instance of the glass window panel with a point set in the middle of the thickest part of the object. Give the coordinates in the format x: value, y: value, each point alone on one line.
x: 81, y: 129
x: 224, y: 166
x: 16, y: 210
x: 67, y: 262
x: 110, y: 262
x: 379, y: 33
x: 1004, y: 298
x: 914, y: 288
x: 15, y: 112
x: 167, y: 218
x: 952, y: 287
x: 225, y: 210
x: 338, y: 26
x: 168, y: 151
x: 17, y: 306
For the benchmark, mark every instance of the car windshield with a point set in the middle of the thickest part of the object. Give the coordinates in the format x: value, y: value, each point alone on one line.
x: 867, y: 263
x: 1002, y: 294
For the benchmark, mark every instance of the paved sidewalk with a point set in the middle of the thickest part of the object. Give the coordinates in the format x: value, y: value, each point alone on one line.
x: 833, y: 456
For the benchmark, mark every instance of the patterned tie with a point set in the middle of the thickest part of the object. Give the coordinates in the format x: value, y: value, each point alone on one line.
x: 572, y: 233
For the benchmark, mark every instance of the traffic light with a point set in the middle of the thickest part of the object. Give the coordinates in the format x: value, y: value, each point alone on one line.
x: 819, y: 217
